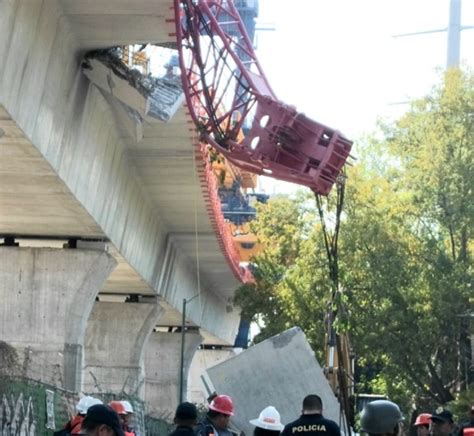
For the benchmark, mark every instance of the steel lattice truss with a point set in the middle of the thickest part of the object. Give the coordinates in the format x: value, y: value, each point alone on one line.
x: 235, y: 109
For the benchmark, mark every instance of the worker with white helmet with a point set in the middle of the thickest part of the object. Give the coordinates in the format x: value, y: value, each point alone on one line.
x: 268, y: 423
x: 73, y: 426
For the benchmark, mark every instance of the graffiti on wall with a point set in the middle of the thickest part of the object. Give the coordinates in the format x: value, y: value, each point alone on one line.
x: 50, y: 421
x: 17, y: 417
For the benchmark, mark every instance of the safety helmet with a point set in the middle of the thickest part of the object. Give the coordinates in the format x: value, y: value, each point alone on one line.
x: 423, y: 419
x: 380, y: 416
x: 85, y: 402
x: 127, y: 405
x: 269, y: 419
x: 118, y: 407
x: 222, y: 404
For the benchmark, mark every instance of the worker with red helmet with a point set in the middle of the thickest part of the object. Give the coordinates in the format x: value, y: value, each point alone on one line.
x: 121, y: 411
x: 422, y: 424
x: 217, y: 420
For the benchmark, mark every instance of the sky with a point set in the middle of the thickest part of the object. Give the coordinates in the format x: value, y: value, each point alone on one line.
x: 338, y: 62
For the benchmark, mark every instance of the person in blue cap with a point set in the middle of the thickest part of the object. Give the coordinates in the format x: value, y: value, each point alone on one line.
x: 442, y: 422
x: 185, y: 420
x: 101, y: 420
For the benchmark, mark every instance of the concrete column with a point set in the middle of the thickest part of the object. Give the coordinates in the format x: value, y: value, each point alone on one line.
x: 162, y: 368
x: 46, y: 297
x: 115, y: 338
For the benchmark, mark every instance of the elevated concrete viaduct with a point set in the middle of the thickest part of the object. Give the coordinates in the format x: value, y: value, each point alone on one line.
x: 71, y: 168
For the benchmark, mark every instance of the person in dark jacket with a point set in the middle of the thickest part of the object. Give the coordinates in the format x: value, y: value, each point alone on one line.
x: 185, y: 420
x: 442, y: 422
x: 312, y: 422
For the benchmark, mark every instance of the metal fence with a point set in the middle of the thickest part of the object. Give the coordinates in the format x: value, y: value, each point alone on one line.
x: 31, y: 408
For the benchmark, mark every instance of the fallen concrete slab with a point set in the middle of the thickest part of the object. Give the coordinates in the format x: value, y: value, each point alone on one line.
x: 279, y: 372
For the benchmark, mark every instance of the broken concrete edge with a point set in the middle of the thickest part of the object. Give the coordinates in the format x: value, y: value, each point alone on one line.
x: 160, y: 97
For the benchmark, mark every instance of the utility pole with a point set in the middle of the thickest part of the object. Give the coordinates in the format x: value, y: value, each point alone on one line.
x: 454, y: 28
x: 183, y: 337
x: 454, y: 34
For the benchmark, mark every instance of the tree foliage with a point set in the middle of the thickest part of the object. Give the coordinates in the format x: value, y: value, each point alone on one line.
x: 405, y: 255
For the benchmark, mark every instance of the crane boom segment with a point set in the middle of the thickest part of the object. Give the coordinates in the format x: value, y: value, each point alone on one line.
x: 227, y: 92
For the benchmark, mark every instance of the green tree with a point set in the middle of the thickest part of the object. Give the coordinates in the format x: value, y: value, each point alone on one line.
x: 286, y: 289
x: 428, y: 237
x: 405, y: 254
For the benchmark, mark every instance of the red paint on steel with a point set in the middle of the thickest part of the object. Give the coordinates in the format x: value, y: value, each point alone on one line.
x: 225, y: 240
x: 226, y: 89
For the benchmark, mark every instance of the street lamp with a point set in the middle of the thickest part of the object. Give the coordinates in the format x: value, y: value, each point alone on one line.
x: 183, y: 331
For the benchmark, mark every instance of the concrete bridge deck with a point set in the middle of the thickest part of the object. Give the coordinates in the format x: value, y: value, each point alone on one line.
x: 69, y: 168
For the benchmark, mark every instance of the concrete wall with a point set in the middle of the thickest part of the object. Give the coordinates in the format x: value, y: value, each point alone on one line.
x: 72, y: 125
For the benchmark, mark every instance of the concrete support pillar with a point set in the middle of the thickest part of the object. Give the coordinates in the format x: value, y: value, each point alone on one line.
x: 46, y: 297
x: 162, y: 370
x: 115, y: 339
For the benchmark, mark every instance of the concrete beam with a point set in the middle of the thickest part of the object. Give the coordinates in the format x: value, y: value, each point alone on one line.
x: 115, y: 339
x: 162, y: 370
x: 67, y: 122
x: 47, y: 295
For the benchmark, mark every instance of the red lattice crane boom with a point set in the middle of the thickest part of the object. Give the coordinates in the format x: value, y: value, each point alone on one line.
x: 227, y: 92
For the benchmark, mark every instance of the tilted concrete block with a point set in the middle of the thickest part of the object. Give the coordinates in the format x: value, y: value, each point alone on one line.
x: 278, y: 372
